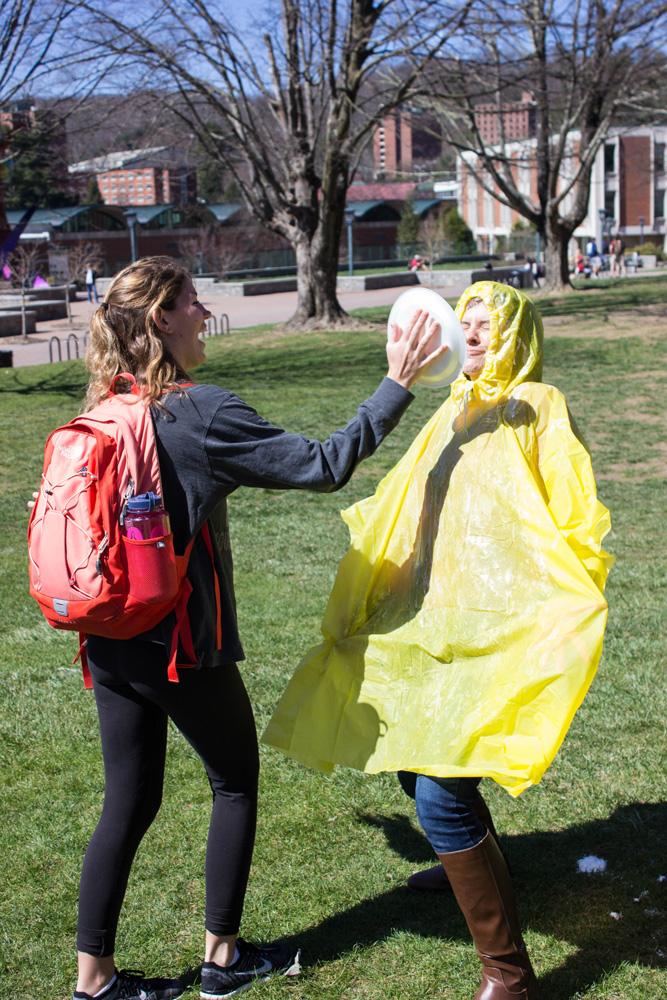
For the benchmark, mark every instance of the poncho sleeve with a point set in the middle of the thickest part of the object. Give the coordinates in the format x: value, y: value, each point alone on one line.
x: 566, y: 471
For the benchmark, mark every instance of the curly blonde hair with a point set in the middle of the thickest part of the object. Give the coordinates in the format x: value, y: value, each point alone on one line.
x: 124, y: 336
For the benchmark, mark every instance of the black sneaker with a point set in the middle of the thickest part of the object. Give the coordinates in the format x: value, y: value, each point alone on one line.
x: 254, y: 964
x: 132, y: 985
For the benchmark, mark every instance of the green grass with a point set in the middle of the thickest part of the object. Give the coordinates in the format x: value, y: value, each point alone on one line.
x: 598, y: 300
x: 461, y: 265
x: 332, y: 853
x: 455, y: 265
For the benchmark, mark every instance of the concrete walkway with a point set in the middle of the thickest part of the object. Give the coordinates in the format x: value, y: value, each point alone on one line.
x: 243, y: 312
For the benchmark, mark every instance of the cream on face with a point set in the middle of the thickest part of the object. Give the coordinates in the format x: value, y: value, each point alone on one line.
x: 476, y: 324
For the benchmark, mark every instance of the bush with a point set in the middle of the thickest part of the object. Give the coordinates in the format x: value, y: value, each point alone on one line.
x: 457, y: 233
x: 648, y: 247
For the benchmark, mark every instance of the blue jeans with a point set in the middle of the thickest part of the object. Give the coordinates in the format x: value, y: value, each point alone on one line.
x: 92, y: 290
x: 446, y: 810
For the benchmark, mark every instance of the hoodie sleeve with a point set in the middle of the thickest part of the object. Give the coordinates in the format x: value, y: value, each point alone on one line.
x: 243, y: 449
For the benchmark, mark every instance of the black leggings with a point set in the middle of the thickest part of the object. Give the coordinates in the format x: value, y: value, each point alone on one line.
x: 212, y: 710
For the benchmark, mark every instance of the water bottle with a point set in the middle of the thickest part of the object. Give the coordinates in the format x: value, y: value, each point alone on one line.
x: 145, y: 517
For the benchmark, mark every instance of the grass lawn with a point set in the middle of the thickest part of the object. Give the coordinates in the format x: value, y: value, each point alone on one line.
x: 460, y: 265
x: 333, y: 853
x: 454, y: 265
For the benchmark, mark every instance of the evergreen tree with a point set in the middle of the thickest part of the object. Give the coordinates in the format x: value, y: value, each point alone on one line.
x: 93, y: 195
x: 232, y: 192
x: 211, y: 180
x: 457, y: 234
x: 408, y: 228
x: 33, y: 174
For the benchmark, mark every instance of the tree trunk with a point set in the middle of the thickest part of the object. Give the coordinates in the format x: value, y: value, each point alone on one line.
x: 24, y: 324
x: 316, y: 278
x: 317, y: 267
x: 556, y: 241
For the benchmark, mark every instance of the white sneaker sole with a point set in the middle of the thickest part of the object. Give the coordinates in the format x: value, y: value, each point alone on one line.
x: 294, y: 970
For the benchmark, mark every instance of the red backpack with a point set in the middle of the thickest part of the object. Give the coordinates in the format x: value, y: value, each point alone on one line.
x: 86, y: 575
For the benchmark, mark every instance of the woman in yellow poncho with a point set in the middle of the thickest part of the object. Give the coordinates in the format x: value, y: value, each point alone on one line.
x: 466, y: 621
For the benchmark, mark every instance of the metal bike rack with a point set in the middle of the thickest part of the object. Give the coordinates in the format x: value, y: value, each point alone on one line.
x: 72, y: 347
x: 72, y: 339
x: 56, y: 341
x: 224, y: 323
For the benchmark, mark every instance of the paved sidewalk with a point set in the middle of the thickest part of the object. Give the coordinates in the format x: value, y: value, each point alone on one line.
x: 242, y: 312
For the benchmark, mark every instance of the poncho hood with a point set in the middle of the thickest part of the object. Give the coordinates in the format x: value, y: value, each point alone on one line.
x: 514, y: 354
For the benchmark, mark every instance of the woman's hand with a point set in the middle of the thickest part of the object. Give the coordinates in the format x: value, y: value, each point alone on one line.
x: 412, y: 350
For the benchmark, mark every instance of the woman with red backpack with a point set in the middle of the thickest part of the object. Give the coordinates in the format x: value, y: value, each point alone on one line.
x: 209, y: 443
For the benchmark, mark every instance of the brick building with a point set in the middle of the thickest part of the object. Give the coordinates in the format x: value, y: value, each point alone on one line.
x: 627, y: 192
x: 152, y: 176
x: 512, y: 120
x: 392, y: 145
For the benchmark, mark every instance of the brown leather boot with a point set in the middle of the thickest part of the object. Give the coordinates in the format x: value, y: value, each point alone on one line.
x: 481, y: 883
x: 434, y: 879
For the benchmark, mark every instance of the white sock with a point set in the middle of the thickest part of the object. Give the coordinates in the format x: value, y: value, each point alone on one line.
x: 235, y: 957
x: 107, y: 987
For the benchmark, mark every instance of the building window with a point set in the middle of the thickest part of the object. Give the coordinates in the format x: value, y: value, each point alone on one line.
x: 610, y: 158
x: 610, y: 204
x: 659, y: 204
x: 659, y: 157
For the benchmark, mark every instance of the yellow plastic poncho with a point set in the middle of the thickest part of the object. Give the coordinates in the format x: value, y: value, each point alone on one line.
x: 466, y: 621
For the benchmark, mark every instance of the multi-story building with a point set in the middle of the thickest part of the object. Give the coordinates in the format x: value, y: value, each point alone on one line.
x: 629, y: 182
x: 139, y: 177
x: 510, y: 120
x: 627, y: 191
x: 392, y: 146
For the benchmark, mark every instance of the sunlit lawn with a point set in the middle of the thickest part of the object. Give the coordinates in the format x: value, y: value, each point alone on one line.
x: 333, y: 853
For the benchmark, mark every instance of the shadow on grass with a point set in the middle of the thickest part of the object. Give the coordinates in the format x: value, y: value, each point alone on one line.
x: 63, y: 382
x: 555, y: 899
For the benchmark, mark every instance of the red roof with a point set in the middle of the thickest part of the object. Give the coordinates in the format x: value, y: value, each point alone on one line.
x: 386, y: 191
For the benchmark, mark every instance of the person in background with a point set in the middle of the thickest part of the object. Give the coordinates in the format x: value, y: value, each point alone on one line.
x: 594, y: 258
x: 533, y: 269
x: 617, y: 252
x: 91, y: 283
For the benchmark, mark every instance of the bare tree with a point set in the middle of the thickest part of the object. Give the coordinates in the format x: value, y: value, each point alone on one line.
x: 23, y: 265
x: 29, y: 30
x: 37, y: 48
x: 74, y: 259
x: 217, y: 249
x: 288, y: 115
x: 589, y: 64
x: 432, y: 239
